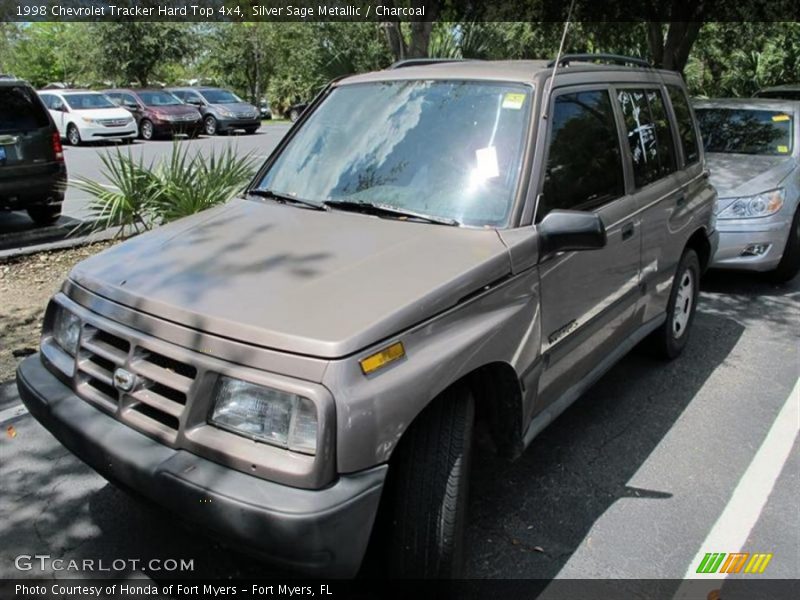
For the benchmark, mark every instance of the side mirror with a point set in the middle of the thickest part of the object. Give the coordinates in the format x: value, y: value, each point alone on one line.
x: 570, y: 230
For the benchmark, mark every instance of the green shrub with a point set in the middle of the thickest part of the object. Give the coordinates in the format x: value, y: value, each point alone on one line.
x: 139, y: 197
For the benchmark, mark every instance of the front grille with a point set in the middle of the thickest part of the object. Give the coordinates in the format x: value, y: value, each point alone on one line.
x: 246, y: 115
x: 160, y: 388
x: 114, y: 122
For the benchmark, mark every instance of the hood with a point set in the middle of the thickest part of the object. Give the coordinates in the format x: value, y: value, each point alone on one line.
x: 175, y: 109
x: 735, y: 175
x: 103, y: 113
x: 239, y: 108
x: 322, y: 284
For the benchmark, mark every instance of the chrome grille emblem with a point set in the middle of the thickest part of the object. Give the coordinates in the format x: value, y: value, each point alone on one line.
x: 124, y: 380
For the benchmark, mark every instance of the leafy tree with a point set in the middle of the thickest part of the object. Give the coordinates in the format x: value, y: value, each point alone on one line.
x: 135, y: 51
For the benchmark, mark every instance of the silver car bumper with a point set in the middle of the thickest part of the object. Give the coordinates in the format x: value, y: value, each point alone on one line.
x: 751, y: 244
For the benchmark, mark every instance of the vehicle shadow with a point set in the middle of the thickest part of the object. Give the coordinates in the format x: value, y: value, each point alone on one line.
x: 528, y: 517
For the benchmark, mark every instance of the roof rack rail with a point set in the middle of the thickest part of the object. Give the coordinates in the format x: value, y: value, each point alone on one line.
x: 614, y: 59
x: 421, y: 62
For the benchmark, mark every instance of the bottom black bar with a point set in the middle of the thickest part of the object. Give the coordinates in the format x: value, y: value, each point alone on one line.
x: 751, y: 588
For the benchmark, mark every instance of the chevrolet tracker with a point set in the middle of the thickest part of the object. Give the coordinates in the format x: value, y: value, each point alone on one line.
x: 430, y: 246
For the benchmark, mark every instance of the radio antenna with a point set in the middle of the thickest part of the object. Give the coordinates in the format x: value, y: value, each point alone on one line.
x: 558, y: 60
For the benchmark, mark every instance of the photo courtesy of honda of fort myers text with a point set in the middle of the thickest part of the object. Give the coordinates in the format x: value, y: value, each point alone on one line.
x: 360, y: 299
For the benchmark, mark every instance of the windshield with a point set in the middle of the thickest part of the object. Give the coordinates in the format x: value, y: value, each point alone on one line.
x: 88, y: 101
x: 220, y: 97
x: 746, y: 131
x: 158, y: 99
x: 449, y: 149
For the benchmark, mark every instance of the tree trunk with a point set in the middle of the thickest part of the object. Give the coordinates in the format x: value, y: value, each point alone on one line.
x: 420, y: 39
x: 672, y: 53
x: 394, y: 37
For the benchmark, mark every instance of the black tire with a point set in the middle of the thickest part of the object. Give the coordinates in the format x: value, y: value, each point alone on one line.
x: 669, y: 340
x: 427, y: 486
x: 210, y: 126
x: 294, y: 114
x: 73, y: 135
x: 790, y: 261
x: 251, y: 130
x: 146, y: 131
x: 45, y: 215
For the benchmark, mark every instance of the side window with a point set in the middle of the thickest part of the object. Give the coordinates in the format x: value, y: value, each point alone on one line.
x: 47, y: 100
x: 179, y: 95
x: 641, y: 133
x: 128, y: 100
x: 664, y: 141
x: 584, y: 167
x: 686, y: 129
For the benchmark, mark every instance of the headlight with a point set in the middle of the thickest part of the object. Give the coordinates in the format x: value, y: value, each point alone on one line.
x: 66, y: 330
x: 226, y: 113
x: 88, y: 120
x: 264, y: 414
x: 749, y: 207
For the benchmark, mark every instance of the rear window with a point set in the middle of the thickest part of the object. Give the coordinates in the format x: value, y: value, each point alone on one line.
x: 20, y: 109
x: 746, y: 131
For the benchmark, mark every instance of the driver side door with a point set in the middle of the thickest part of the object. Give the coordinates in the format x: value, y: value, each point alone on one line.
x: 588, y: 299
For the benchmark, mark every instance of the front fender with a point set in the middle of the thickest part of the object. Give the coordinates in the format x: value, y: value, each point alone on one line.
x: 500, y: 325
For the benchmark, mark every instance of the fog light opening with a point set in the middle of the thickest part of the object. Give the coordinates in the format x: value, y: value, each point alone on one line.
x: 756, y: 250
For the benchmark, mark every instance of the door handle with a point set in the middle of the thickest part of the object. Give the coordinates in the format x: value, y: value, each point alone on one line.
x: 681, y: 200
x: 627, y: 231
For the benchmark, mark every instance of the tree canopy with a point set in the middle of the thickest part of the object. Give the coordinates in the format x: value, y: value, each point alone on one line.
x: 288, y: 62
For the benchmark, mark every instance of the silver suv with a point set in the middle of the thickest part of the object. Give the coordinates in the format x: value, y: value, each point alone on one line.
x: 429, y: 246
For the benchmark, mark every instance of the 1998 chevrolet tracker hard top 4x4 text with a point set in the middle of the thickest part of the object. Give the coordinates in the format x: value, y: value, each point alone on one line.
x: 430, y: 245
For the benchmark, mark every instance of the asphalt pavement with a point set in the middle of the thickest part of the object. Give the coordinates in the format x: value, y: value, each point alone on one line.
x: 635, y: 480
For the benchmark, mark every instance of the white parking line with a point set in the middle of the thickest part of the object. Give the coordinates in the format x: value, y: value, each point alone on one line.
x: 733, y: 526
x: 12, y: 413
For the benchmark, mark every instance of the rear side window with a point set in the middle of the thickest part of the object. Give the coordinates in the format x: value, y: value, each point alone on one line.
x: 20, y: 109
x: 686, y: 130
x: 584, y: 167
x: 645, y: 119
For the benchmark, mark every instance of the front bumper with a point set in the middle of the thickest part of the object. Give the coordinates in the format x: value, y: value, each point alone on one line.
x: 321, y: 532
x: 228, y: 123
x: 99, y: 132
x: 173, y: 127
x: 736, y: 236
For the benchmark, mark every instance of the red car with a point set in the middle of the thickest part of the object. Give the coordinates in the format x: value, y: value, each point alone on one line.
x: 158, y: 113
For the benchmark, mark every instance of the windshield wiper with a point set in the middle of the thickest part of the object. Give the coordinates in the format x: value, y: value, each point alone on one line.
x: 286, y: 198
x: 372, y: 208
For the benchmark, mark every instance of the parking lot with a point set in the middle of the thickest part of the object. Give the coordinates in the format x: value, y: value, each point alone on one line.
x: 635, y: 480
x: 83, y: 161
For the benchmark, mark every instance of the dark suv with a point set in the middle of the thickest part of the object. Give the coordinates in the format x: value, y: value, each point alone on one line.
x: 32, y: 171
x: 222, y: 110
x: 158, y: 113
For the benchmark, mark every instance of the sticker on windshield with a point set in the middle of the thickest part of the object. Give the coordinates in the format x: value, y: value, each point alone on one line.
x: 783, y: 149
x: 487, y: 163
x: 513, y: 101
x: 779, y: 118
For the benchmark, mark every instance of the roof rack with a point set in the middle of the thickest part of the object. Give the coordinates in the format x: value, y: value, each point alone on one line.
x: 614, y: 59
x: 421, y: 62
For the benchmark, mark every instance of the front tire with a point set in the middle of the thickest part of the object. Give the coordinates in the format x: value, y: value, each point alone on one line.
x: 210, y: 125
x: 251, y: 130
x: 44, y: 215
x: 146, y: 130
x: 73, y: 135
x: 669, y: 340
x: 790, y: 261
x: 426, y: 493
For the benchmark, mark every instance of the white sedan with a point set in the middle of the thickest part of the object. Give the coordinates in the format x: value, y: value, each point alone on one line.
x: 83, y: 116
